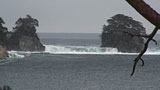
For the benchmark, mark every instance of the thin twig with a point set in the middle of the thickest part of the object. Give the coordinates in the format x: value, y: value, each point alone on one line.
x: 137, y: 35
x: 142, y: 62
x: 144, y: 49
x: 154, y: 41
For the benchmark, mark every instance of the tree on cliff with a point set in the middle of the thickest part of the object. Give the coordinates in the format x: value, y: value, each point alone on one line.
x: 116, y: 35
x: 26, y: 25
x: 121, y: 21
x: 3, y: 32
x: 24, y: 37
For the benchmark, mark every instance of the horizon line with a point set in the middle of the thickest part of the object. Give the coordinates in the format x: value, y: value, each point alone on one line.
x: 70, y: 32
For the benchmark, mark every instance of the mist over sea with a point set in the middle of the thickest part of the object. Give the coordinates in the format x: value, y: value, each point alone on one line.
x: 75, y: 61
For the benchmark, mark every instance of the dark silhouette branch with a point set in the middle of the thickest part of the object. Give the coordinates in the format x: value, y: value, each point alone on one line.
x: 154, y: 41
x: 153, y: 17
x: 146, y: 11
x: 142, y: 62
x: 137, y: 35
x: 149, y: 38
x: 144, y: 50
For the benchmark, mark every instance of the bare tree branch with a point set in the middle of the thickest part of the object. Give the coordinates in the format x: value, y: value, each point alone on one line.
x: 144, y: 49
x: 149, y: 38
x: 137, y: 35
x: 142, y: 62
x: 153, y: 17
x: 146, y: 11
x: 154, y: 41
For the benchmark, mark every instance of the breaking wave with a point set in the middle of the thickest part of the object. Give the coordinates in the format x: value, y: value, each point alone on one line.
x: 53, y: 49
x: 21, y: 54
x: 15, y: 54
x: 58, y: 49
x: 64, y: 49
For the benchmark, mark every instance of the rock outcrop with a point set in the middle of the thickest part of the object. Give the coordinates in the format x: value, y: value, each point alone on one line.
x: 123, y: 41
x: 3, y: 32
x: 3, y: 52
x: 117, y: 34
x: 27, y: 43
x: 23, y: 42
x: 24, y: 36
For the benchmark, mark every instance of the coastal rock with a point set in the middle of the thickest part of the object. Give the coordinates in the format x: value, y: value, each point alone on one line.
x: 20, y: 42
x: 27, y: 43
x: 3, y: 32
x: 24, y: 36
x: 3, y: 52
x: 119, y: 34
x: 123, y: 41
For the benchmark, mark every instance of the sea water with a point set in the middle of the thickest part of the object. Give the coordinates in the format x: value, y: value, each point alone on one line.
x: 77, y: 62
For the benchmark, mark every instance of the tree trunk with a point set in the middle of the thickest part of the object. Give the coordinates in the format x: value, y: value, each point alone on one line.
x: 152, y: 16
x: 146, y: 11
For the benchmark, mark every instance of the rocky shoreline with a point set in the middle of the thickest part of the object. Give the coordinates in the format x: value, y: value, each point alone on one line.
x: 23, y: 37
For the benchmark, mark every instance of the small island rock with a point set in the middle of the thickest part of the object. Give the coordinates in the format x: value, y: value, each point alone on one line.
x: 24, y: 36
x: 119, y: 34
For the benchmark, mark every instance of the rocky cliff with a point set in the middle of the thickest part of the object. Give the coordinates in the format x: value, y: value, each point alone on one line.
x: 114, y: 34
x: 24, y: 36
x: 22, y: 42
x: 123, y: 41
x: 3, y: 52
x: 3, y: 32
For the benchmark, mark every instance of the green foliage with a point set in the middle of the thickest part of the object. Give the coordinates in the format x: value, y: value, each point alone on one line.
x: 27, y: 24
x: 113, y: 35
x: 5, y: 88
x: 121, y: 21
x: 24, y: 36
x: 3, y: 31
x: 1, y: 22
x: 28, y: 21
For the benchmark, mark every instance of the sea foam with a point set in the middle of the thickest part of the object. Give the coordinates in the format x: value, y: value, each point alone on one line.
x: 66, y: 49
x: 15, y: 54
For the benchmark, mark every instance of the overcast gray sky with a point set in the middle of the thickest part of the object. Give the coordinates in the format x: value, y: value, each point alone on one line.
x: 71, y: 16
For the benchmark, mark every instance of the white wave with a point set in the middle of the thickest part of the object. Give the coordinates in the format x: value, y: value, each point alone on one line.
x: 153, y: 51
x: 21, y: 54
x: 57, y: 49
x: 15, y: 54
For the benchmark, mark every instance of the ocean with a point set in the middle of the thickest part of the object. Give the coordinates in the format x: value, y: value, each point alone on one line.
x: 75, y: 61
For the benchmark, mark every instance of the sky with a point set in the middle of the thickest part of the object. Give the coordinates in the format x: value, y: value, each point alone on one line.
x: 71, y: 16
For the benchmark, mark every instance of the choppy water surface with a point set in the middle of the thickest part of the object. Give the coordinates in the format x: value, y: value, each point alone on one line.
x: 78, y: 63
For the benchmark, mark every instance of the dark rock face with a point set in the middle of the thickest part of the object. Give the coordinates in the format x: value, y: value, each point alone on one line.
x: 3, y: 52
x: 123, y: 41
x: 3, y: 32
x: 22, y: 42
x: 22, y: 38
x: 27, y: 43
